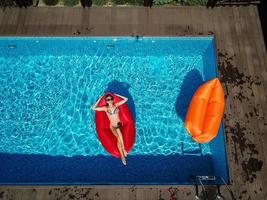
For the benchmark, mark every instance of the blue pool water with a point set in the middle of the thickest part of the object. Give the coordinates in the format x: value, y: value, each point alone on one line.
x: 47, y: 86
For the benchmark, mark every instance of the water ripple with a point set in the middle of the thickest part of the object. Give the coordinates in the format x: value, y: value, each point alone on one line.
x: 45, y: 102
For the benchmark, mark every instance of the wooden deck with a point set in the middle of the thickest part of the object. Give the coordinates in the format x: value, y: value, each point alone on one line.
x: 243, y: 69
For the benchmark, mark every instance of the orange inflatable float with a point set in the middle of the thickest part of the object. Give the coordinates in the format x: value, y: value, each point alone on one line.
x: 205, y: 111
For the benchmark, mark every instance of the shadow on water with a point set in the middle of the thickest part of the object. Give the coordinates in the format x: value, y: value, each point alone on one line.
x: 83, y: 109
x: 122, y: 88
x: 141, y: 169
x: 190, y: 84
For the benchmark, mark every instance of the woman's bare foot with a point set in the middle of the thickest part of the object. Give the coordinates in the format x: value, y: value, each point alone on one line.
x: 123, y: 160
x: 125, y: 153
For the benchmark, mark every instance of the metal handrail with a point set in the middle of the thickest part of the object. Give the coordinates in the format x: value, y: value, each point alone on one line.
x: 229, y: 189
x: 200, y: 179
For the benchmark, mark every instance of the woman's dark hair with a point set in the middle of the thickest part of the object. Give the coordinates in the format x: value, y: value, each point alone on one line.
x: 108, y: 95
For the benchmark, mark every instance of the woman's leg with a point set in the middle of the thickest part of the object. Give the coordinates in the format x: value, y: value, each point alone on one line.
x: 119, y: 145
x: 123, y: 160
x: 118, y: 130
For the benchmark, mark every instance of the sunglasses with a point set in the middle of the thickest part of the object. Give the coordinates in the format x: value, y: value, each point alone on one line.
x: 110, y: 99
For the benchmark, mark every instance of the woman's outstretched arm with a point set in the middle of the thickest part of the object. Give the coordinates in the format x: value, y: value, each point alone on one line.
x: 96, y: 108
x: 124, y: 99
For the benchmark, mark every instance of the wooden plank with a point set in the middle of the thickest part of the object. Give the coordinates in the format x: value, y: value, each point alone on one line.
x: 260, y: 96
x: 6, y: 14
x: 253, y: 131
x: 258, y: 43
x: 66, y: 26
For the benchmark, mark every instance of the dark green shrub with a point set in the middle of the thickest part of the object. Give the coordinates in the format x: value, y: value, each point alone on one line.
x: 35, y: 2
x: 6, y: 3
x: 135, y: 2
x: 131, y: 2
x: 148, y: 3
x: 195, y: 2
x: 100, y: 2
x: 51, y: 2
x: 119, y: 2
x: 23, y: 3
x: 70, y: 2
x: 183, y: 2
x: 28, y: 2
x: 161, y: 2
x: 139, y: 2
x: 86, y: 3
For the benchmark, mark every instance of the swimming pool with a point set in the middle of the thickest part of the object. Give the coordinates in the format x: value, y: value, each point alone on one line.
x: 47, y: 86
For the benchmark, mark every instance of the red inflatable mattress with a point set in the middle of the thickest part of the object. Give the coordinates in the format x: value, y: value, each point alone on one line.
x: 106, y: 137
